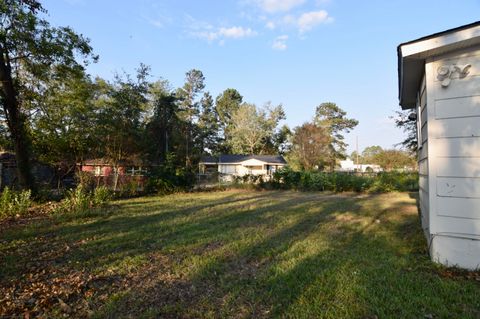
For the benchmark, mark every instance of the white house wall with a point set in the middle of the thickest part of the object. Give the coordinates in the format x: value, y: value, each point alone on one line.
x: 227, y: 168
x: 242, y: 168
x: 253, y: 162
x: 453, y: 158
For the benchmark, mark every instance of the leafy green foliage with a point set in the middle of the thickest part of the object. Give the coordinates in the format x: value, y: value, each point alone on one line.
x: 169, y: 178
x: 310, y: 147
x: 341, y: 182
x: 332, y: 118
x: 252, y: 128
x: 120, y: 121
x: 30, y: 44
x: 14, y: 203
x: 101, y: 196
x: 80, y: 201
x: 409, y: 127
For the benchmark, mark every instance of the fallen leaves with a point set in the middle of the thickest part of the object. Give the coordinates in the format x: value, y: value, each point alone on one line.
x: 49, y: 282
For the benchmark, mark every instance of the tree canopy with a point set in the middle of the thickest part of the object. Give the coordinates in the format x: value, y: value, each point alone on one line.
x: 56, y: 113
x: 29, y: 49
x: 333, y: 120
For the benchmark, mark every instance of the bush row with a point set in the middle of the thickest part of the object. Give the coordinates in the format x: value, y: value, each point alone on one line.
x: 341, y: 182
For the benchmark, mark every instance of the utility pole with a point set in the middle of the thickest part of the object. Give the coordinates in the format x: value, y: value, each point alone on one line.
x: 357, y: 152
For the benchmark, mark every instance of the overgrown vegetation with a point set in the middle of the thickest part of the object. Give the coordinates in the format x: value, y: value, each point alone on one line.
x: 80, y: 201
x: 344, y: 182
x: 13, y: 203
x: 243, y: 254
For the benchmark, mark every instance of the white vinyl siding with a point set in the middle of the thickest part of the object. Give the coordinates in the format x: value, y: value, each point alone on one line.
x: 454, y: 138
x: 448, y: 127
x: 422, y: 135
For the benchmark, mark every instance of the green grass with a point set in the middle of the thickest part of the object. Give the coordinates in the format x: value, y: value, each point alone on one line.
x: 234, y: 254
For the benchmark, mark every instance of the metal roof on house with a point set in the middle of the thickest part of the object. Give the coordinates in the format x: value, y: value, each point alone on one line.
x: 236, y: 158
x: 412, y: 56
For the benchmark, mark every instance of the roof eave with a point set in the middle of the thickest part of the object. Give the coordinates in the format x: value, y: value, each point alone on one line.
x: 412, y: 56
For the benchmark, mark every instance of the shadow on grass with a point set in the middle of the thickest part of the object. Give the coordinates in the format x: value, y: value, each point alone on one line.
x: 273, y: 254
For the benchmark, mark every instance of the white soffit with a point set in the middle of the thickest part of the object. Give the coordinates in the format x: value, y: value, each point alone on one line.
x: 412, y: 56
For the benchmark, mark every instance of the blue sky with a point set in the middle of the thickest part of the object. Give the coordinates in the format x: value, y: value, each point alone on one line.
x: 296, y: 52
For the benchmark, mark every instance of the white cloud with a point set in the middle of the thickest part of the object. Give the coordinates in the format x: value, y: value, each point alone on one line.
x: 303, y: 22
x: 158, y: 22
x: 206, y: 31
x: 270, y: 25
x: 236, y: 32
x: 309, y: 20
x: 280, y: 43
x: 306, y: 21
x: 273, y: 6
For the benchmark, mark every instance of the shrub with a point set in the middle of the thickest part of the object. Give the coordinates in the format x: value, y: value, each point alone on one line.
x: 14, y: 203
x: 86, y: 180
x: 341, y: 182
x: 129, y: 188
x: 80, y: 201
x: 160, y: 186
x: 167, y: 179
x: 101, y: 196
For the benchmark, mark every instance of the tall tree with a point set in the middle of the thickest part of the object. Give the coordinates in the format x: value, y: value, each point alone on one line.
x: 121, y: 121
x: 208, y: 126
x: 369, y: 153
x: 63, y: 126
x: 29, y: 46
x: 252, y: 128
x: 189, y: 109
x: 163, y: 126
x: 333, y: 120
x: 310, y: 146
x: 226, y: 104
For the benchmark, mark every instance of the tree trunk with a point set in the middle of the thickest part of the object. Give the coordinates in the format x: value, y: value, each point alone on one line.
x: 16, y: 124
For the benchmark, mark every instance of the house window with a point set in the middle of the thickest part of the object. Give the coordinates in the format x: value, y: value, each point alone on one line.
x: 255, y: 167
x: 98, y: 171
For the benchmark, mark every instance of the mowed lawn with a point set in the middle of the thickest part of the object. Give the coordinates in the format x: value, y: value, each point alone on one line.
x: 233, y: 254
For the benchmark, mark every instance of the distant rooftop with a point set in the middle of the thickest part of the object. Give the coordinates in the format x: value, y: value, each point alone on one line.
x: 236, y: 158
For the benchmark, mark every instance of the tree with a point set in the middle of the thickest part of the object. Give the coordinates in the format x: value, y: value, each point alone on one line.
x: 409, y: 126
x: 394, y: 159
x: 369, y: 154
x: 29, y: 47
x: 226, y: 104
x: 281, y: 140
x: 208, y: 126
x: 63, y: 127
x: 251, y: 128
x: 122, y: 118
x: 189, y: 109
x: 163, y: 126
x: 356, y: 157
x: 333, y: 119
x: 310, y: 146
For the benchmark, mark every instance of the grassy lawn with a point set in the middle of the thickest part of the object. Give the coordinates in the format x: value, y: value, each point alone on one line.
x: 234, y: 254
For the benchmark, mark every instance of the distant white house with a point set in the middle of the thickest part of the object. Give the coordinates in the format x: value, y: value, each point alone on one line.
x: 439, y: 80
x: 349, y: 166
x: 230, y: 166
